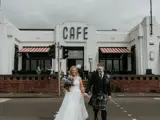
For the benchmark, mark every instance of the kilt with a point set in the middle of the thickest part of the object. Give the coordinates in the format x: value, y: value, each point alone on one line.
x: 98, y: 101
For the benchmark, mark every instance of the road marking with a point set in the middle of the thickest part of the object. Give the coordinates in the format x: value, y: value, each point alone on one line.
x: 129, y: 115
x: 120, y: 95
x: 3, y: 100
x: 118, y: 105
x: 156, y: 98
x: 141, y: 93
x: 40, y: 93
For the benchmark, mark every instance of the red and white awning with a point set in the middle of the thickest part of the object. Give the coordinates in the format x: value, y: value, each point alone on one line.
x: 114, y: 50
x: 34, y: 49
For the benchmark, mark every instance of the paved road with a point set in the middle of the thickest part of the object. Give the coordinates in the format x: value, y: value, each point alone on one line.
x: 45, y: 108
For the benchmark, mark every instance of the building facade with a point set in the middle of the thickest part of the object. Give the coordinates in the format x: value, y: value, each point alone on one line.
x: 133, y: 52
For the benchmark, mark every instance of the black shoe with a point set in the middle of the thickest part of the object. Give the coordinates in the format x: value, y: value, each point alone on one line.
x: 95, y: 118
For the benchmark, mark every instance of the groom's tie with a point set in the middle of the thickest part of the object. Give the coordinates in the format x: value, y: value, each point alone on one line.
x: 100, y: 75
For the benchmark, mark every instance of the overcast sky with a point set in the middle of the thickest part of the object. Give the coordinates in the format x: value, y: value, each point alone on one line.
x: 104, y: 14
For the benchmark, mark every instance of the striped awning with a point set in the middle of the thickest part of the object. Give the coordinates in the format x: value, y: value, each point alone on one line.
x: 114, y: 50
x: 34, y: 49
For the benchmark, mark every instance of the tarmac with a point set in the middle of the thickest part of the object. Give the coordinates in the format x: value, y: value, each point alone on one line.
x: 56, y: 95
x: 46, y: 108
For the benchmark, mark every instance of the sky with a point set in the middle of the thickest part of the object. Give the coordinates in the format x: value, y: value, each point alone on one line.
x: 122, y: 15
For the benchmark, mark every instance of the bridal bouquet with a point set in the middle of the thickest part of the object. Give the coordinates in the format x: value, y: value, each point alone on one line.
x: 67, y: 83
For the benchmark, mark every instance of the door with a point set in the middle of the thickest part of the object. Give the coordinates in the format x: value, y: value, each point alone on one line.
x: 70, y: 63
x: 133, y: 59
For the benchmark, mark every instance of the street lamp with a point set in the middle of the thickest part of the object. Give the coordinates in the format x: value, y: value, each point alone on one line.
x: 59, y: 47
x: 90, y: 62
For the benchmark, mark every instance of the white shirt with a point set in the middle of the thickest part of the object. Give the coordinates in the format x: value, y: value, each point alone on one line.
x: 102, y: 73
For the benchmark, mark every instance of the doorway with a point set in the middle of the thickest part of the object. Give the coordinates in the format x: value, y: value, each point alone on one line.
x: 75, y: 57
x: 133, y: 59
x: 70, y: 63
x: 74, y: 62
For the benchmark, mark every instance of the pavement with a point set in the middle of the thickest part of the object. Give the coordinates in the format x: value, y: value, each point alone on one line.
x: 136, y: 94
x: 123, y: 108
x: 30, y: 95
x: 53, y: 95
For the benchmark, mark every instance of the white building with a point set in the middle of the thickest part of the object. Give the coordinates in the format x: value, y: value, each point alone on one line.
x: 134, y: 51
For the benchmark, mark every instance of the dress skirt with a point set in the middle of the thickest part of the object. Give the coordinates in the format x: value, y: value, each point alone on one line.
x: 73, y: 106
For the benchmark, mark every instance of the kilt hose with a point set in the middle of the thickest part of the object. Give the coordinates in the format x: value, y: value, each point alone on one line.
x: 98, y: 101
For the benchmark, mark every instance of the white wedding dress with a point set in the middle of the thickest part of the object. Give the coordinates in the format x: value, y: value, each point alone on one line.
x: 73, y: 105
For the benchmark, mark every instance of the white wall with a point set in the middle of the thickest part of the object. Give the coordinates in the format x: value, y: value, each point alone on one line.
x: 95, y: 40
x: 40, y: 36
x: 148, y: 39
x: 112, y: 36
x: 7, y: 37
x: 13, y: 36
x: 37, y: 38
x: 90, y: 47
x: 2, y: 49
x: 139, y: 36
x: 112, y: 39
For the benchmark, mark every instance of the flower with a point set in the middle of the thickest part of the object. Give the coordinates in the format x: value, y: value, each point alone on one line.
x: 67, y: 83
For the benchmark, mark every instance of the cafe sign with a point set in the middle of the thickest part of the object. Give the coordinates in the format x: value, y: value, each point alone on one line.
x: 75, y: 33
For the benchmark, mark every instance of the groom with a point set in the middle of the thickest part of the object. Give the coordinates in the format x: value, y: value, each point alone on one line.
x: 101, y: 92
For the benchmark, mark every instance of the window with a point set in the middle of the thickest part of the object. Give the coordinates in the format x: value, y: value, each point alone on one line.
x: 116, y: 65
x: 109, y: 64
x: 79, y: 62
x: 75, y: 54
x: 47, y: 64
x: 103, y: 63
x: 33, y: 65
x: 36, y: 59
x: 121, y: 65
x: 27, y: 65
x: 16, y: 58
x: 41, y: 64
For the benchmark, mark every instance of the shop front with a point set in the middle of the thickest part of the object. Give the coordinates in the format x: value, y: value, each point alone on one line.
x: 115, y: 59
x: 32, y: 57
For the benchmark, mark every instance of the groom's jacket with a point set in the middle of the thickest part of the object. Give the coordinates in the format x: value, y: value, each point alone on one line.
x: 97, y: 84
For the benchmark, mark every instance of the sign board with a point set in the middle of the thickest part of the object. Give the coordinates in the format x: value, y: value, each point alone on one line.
x: 75, y: 33
x: 75, y: 54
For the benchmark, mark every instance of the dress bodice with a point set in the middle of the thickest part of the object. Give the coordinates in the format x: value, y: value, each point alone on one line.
x: 76, y: 82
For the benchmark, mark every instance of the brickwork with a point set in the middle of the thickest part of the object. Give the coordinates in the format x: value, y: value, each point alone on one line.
x: 48, y: 84
x: 136, y: 84
x: 28, y: 84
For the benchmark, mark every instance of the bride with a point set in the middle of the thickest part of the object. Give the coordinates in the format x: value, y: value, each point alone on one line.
x: 73, y: 106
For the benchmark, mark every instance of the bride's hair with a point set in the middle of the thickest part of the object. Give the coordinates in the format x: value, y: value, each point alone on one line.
x: 70, y: 70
